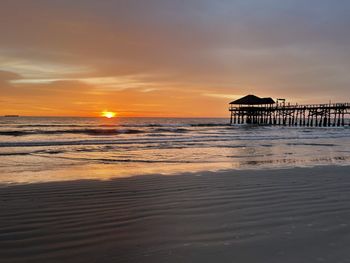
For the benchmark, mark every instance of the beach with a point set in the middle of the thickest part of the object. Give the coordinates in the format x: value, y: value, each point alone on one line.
x: 174, y: 131
x: 277, y: 215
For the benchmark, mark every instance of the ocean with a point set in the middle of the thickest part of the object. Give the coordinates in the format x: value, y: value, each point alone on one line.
x: 183, y: 190
x: 43, y: 149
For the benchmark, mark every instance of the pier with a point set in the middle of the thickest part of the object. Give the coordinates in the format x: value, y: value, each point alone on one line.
x: 265, y: 111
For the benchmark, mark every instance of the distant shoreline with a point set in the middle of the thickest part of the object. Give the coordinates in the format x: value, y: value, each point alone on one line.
x: 119, y: 117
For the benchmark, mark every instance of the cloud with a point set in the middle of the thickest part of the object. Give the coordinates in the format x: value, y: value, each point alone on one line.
x: 272, y: 48
x: 223, y: 96
x: 6, y: 76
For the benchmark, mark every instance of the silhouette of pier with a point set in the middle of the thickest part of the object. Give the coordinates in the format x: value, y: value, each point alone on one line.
x: 265, y: 111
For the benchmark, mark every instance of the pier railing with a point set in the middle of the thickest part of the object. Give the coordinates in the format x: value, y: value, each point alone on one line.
x: 312, y: 115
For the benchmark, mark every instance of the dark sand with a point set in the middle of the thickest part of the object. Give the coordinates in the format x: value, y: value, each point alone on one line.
x: 294, y: 215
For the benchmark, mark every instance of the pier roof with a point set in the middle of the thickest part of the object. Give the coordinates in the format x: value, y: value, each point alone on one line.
x: 253, y: 100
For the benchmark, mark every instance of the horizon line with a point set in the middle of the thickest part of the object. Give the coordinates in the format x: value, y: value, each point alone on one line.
x: 118, y: 117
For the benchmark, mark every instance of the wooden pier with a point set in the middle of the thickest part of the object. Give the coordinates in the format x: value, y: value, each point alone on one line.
x: 265, y: 111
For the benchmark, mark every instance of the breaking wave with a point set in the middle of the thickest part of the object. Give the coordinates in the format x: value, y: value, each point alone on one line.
x: 71, y: 131
x: 92, y: 131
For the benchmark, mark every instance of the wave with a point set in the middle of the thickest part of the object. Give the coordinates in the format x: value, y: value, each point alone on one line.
x: 174, y: 125
x: 210, y: 125
x: 15, y: 153
x: 176, y: 130
x: 31, y: 152
x: 71, y: 131
x: 91, y: 131
x: 313, y: 144
x: 47, y: 125
x: 150, y: 125
x: 125, y: 160
x: 175, y: 138
x: 12, y: 133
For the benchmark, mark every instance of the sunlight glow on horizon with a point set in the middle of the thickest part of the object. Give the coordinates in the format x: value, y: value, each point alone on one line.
x: 108, y: 114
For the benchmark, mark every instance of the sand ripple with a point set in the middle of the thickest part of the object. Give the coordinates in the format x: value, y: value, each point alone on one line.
x: 294, y: 215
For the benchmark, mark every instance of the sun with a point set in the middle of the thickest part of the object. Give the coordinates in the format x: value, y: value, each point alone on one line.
x: 108, y: 114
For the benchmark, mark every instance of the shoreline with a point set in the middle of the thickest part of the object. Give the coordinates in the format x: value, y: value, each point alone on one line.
x: 108, y: 173
x: 277, y: 215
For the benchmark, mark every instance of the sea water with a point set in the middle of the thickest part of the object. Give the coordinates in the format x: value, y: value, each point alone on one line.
x: 41, y: 149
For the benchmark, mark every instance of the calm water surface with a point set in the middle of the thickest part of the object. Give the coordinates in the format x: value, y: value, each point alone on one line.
x: 55, y: 149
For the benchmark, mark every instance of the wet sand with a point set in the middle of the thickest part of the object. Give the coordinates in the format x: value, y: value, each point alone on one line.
x: 291, y: 215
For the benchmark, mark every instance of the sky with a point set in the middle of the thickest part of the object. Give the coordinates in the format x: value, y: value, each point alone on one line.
x: 169, y: 58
